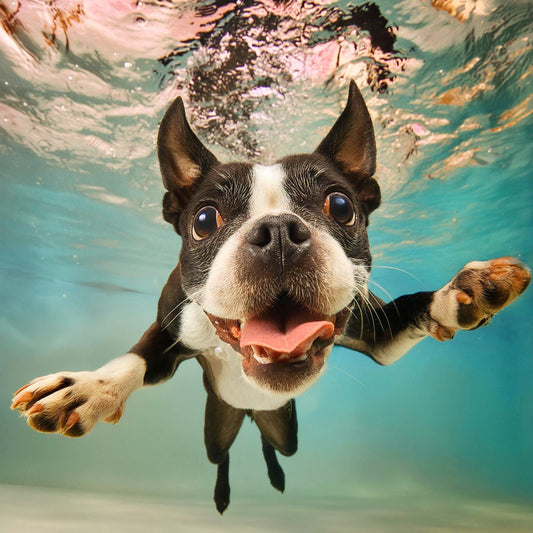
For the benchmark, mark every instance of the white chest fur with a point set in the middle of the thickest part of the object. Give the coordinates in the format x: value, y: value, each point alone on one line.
x: 227, y: 377
x: 232, y: 386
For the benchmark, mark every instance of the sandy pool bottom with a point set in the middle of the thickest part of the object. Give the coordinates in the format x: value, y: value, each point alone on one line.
x: 43, y: 510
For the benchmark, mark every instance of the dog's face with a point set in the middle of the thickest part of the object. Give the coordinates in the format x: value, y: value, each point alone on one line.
x: 275, y: 256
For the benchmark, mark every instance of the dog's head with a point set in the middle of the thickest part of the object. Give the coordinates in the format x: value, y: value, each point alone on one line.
x: 274, y: 255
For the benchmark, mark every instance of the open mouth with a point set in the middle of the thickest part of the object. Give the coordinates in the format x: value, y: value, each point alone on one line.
x: 285, y: 337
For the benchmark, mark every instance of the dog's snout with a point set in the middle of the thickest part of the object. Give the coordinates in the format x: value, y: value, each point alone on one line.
x: 282, y: 238
x: 289, y: 229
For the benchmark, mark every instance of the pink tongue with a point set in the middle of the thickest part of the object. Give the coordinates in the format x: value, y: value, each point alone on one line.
x: 293, y: 336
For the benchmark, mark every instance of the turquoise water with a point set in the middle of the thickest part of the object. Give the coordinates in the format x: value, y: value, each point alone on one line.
x: 440, y: 441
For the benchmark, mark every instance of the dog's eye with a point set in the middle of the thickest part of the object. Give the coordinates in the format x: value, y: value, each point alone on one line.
x: 206, y: 222
x: 340, y: 207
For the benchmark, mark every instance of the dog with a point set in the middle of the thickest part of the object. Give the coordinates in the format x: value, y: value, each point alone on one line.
x: 273, y: 271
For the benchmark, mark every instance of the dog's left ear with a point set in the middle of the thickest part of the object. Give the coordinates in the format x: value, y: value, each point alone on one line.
x: 352, y: 147
x: 182, y: 159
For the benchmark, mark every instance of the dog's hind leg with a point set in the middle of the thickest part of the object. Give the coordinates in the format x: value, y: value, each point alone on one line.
x: 279, y: 431
x: 275, y: 472
x: 222, y: 488
x: 222, y: 423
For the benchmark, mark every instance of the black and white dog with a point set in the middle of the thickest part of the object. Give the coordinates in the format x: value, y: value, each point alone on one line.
x: 273, y: 271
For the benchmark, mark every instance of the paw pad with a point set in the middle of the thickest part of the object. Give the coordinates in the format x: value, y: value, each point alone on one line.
x: 484, y: 288
x: 464, y: 298
x: 478, y: 291
x: 115, y: 417
x: 441, y: 333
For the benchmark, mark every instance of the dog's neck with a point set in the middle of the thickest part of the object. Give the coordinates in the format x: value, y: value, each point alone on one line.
x: 223, y: 365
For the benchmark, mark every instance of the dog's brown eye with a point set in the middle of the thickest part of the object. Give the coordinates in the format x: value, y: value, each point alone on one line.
x: 340, y: 207
x: 206, y: 222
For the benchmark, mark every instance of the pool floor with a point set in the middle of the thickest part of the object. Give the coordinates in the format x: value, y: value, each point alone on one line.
x: 25, y: 509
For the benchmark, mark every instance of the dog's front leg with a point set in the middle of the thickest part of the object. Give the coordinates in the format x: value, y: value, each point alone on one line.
x: 480, y: 289
x: 72, y: 403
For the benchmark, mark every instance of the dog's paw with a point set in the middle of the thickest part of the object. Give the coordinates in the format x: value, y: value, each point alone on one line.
x: 72, y: 403
x: 475, y: 295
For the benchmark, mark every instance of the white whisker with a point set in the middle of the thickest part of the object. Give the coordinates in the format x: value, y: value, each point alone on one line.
x: 177, y: 307
x: 361, y: 316
x: 399, y: 270
x: 171, y: 346
x: 345, y: 372
x: 388, y: 295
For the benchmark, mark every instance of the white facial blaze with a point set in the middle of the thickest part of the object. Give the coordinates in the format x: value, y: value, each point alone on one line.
x: 223, y: 294
x: 268, y: 194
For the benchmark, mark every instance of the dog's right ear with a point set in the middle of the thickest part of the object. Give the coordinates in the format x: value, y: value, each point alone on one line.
x: 182, y: 160
x: 351, y: 145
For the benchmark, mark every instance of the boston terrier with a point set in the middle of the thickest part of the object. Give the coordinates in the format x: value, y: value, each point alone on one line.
x: 273, y: 271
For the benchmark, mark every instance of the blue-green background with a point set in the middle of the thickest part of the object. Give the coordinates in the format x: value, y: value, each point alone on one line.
x: 444, y: 432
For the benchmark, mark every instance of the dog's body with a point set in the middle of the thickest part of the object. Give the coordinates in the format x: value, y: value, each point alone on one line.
x: 273, y: 271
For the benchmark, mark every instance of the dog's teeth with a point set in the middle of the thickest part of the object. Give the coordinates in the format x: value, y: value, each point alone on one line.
x: 302, y: 357
x: 261, y: 360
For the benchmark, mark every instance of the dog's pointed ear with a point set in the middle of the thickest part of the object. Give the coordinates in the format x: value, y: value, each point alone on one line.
x: 182, y: 159
x: 351, y: 145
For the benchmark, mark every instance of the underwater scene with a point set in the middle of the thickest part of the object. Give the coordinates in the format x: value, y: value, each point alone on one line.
x: 440, y: 441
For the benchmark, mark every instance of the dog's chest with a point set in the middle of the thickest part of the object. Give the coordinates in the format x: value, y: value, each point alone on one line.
x: 223, y: 365
x: 225, y: 374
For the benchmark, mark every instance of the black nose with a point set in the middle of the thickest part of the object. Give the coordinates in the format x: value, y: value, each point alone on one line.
x: 284, y: 239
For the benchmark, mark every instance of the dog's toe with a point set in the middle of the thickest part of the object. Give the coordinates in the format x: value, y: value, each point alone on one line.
x: 21, y: 400
x: 116, y: 416
x: 52, y: 409
x: 25, y: 397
